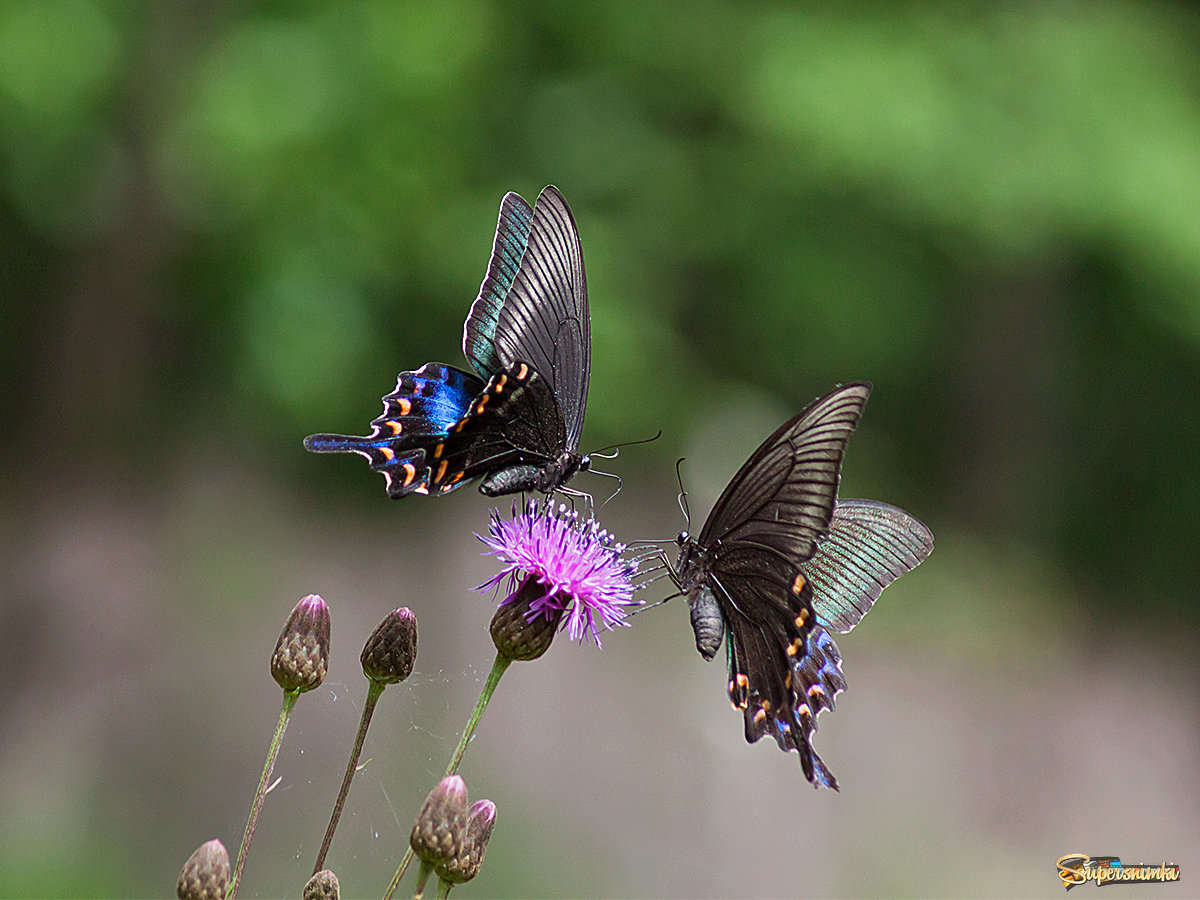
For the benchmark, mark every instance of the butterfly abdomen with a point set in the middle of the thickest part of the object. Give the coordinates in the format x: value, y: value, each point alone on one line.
x: 532, y: 477
x: 512, y: 480
x: 707, y: 621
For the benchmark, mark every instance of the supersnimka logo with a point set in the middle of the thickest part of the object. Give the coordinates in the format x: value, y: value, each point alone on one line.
x: 1075, y: 869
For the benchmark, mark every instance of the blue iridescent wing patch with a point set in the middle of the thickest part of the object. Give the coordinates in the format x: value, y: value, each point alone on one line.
x: 818, y: 678
x: 479, y: 331
x: 423, y: 408
x: 869, y: 545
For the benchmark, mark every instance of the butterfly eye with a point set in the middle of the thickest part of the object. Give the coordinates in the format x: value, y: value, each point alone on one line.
x: 585, y: 463
x: 682, y: 538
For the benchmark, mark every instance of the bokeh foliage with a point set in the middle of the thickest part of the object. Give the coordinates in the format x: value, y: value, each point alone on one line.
x: 233, y: 224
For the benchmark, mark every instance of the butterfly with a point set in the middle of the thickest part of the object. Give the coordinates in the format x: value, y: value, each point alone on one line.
x: 780, y: 562
x: 514, y: 422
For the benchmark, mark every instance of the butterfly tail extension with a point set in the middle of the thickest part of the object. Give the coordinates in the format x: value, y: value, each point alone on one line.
x: 416, y: 415
x: 817, y: 678
x: 814, y: 769
x: 405, y: 472
x: 792, y: 728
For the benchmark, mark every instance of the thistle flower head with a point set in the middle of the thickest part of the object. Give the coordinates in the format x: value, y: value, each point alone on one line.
x: 391, y: 650
x: 301, y: 656
x: 205, y: 876
x: 437, y: 835
x: 481, y: 818
x: 322, y: 886
x: 574, y: 568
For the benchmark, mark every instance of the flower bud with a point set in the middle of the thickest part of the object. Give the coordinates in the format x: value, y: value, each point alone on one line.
x: 437, y: 835
x: 481, y: 817
x: 391, y: 650
x: 205, y: 876
x: 301, y: 656
x: 322, y: 886
x: 518, y: 637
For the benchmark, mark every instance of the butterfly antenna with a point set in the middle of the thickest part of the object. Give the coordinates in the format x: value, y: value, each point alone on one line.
x: 683, y: 504
x: 616, y: 448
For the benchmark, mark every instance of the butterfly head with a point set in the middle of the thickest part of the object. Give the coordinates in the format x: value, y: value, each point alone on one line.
x: 692, y: 564
x: 690, y: 575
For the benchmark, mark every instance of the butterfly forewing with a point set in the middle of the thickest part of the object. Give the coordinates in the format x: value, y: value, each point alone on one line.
x: 544, y: 320
x: 783, y: 497
x: 869, y: 545
x: 479, y: 331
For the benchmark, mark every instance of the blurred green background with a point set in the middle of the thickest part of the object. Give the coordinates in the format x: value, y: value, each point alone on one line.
x: 226, y: 226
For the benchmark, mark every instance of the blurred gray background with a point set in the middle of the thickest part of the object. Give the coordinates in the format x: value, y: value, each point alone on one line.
x: 226, y: 226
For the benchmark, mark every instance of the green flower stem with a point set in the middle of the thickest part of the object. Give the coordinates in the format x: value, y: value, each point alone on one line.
x: 443, y: 890
x: 485, y: 696
x: 489, y: 687
x: 373, y: 694
x: 422, y: 877
x: 289, y: 703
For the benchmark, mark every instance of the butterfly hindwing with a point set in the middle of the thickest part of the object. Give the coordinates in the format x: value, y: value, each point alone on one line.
x: 817, y: 676
x: 479, y: 331
x: 509, y: 429
x: 767, y: 606
x: 424, y: 405
x: 869, y: 545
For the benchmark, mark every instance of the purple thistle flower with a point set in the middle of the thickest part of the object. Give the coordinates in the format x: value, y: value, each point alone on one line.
x: 578, y: 563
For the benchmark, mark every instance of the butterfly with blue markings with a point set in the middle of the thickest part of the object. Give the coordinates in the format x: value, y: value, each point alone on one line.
x: 781, y: 561
x: 516, y: 422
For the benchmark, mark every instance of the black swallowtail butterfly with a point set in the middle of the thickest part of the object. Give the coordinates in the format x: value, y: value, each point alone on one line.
x: 516, y: 423
x: 780, y: 562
